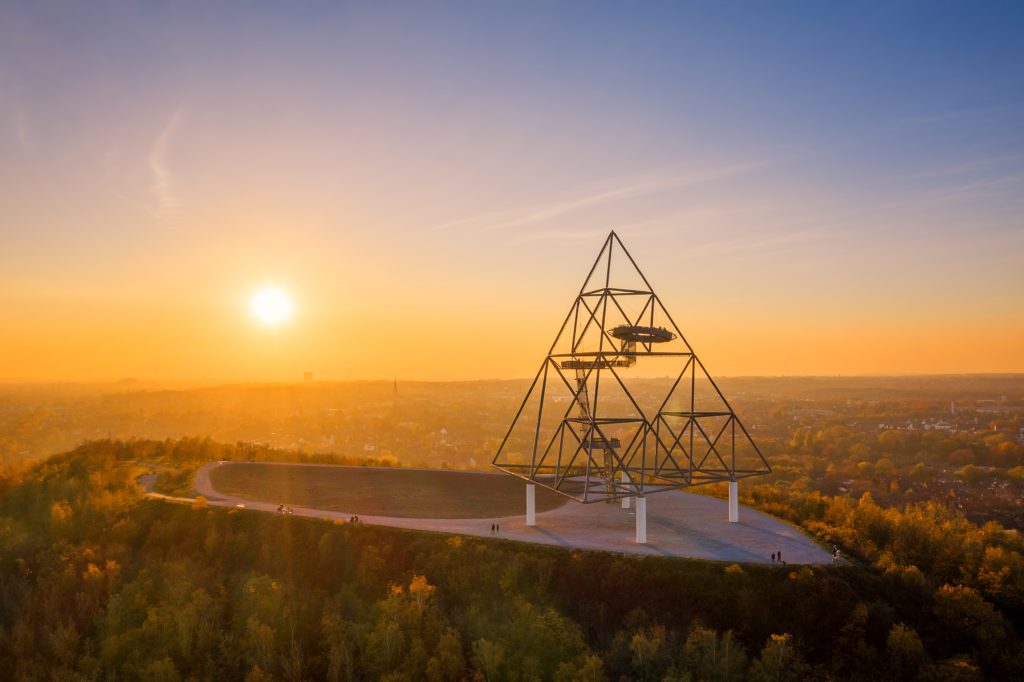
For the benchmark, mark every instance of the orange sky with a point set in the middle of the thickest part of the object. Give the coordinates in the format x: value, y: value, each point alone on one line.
x: 431, y: 189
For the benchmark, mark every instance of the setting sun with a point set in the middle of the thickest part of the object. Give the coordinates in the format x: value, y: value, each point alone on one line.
x: 271, y: 306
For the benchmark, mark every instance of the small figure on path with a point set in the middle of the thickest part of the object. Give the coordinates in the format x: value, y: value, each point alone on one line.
x: 780, y: 556
x: 773, y: 557
x: 497, y: 528
x: 492, y: 529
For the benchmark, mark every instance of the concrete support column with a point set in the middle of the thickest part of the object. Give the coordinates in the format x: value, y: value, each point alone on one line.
x: 641, y: 520
x: 625, y: 500
x: 531, y: 504
x: 734, y: 502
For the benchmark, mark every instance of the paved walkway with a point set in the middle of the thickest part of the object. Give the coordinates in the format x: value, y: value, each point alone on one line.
x: 147, y: 481
x: 679, y: 524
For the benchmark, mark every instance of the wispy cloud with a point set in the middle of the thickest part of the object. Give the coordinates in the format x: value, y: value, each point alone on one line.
x: 980, y: 189
x: 952, y: 114
x: 925, y: 119
x: 16, y: 120
x: 964, y: 168
x: 162, y: 183
x: 667, y: 223
x: 22, y: 127
x: 501, y: 220
x: 728, y: 247
x: 578, y: 235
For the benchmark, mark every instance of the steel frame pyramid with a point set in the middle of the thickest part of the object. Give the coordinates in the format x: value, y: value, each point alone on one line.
x: 570, y: 437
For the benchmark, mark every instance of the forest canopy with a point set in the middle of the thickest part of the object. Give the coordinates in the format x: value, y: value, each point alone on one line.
x: 99, y: 582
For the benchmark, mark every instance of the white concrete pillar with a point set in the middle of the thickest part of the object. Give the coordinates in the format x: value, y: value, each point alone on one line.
x: 531, y: 504
x: 625, y: 500
x: 734, y: 502
x: 641, y: 520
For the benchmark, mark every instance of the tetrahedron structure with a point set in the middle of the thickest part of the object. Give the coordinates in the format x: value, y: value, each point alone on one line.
x: 621, y: 406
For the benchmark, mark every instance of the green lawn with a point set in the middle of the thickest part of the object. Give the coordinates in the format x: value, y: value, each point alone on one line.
x: 410, y: 493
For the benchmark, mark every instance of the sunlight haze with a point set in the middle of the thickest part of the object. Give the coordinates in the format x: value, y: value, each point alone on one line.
x: 429, y: 184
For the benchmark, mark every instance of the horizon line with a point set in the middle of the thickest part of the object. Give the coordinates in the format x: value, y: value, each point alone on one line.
x: 391, y: 380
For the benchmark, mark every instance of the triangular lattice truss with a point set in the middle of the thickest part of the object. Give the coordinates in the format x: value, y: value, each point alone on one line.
x: 597, y: 425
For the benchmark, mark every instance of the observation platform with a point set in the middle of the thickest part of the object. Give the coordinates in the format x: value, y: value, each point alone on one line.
x: 637, y: 334
x: 630, y: 335
x: 685, y: 524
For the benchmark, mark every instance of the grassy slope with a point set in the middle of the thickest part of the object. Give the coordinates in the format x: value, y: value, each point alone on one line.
x: 407, y: 493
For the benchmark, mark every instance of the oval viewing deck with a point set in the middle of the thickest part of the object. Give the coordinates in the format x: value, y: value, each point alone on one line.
x: 638, y: 334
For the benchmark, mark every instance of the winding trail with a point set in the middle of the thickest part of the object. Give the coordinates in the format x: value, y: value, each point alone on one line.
x: 679, y: 524
x: 147, y: 481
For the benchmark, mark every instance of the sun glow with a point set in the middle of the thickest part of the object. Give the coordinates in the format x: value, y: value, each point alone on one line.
x: 271, y: 306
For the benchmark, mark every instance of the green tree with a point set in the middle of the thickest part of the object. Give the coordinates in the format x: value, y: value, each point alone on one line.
x: 338, y: 637
x: 585, y: 669
x: 710, y: 656
x: 385, y: 647
x: 779, y: 661
x: 162, y: 670
x: 490, y: 659
x: 648, y: 652
x: 448, y: 663
x: 968, y: 618
x: 905, y: 651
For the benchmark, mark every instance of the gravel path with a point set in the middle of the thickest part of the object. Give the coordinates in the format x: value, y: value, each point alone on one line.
x: 679, y: 524
x: 147, y: 481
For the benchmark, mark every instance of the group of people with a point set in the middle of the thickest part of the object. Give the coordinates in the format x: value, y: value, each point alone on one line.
x: 495, y: 529
x: 353, y: 519
x: 777, y: 556
x: 282, y: 509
